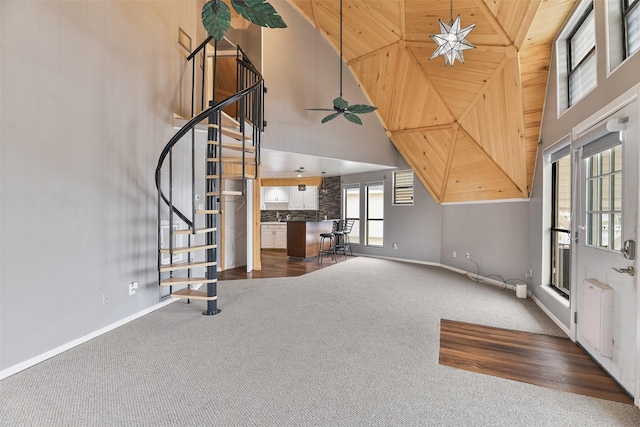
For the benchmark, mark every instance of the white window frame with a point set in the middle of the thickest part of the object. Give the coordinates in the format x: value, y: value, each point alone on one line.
x: 355, y: 238
x: 550, y: 154
x: 589, y: 15
x: 562, y: 55
x: 368, y: 219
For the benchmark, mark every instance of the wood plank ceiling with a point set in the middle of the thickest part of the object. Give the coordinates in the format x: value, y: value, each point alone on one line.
x: 470, y: 132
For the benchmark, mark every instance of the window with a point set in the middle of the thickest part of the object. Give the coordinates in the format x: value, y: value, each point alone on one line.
x: 581, y: 57
x: 403, y: 187
x: 375, y: 214
x: 561, y: 223
x: 351, y: 210
x: 604, y: 199
x: 631, y: 22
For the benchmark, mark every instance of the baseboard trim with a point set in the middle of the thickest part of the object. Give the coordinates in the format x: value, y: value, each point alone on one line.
x: 412, y: 261
x: 470, y: 275
x: 552, y: 316
x: 56, y: 351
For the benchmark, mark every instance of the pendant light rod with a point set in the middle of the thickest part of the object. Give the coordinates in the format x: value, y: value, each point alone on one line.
x: 340, y: 49
x: 340, y: 106
x: 450, y: 12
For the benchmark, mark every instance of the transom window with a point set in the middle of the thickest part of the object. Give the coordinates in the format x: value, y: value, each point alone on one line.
x: 631, y: 22
x: 604, y: 199
x: 581, y: 57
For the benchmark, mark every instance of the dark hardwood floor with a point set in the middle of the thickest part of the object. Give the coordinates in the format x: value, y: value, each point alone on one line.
x: 543, y: 360
x: 276, y: 263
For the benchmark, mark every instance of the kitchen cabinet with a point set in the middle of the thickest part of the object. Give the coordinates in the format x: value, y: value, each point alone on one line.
x: 273, y: 236
x: 276, y: 194
x: 303, y: 200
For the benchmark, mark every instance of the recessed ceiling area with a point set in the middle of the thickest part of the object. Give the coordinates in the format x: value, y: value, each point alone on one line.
x: 280, y: 164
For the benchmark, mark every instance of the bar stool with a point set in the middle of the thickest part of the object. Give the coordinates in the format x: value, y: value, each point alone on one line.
x: 342, y: 237
x: 331, y: 250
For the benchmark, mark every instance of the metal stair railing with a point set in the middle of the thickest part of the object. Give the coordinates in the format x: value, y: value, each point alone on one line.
x: 249, y: 103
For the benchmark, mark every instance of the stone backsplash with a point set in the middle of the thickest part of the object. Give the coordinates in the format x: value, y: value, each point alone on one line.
x: 328, y: 204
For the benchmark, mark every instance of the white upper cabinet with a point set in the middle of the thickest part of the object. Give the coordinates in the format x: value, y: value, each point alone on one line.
x: 303, y: 200
x: 276, y: 194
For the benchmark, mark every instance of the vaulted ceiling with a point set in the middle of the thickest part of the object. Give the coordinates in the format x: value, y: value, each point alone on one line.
x: 470, y: 132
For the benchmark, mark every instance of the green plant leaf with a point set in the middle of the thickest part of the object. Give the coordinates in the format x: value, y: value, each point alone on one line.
x: 340, y: 103
x: 259, y: 12
x: 330, y: 117
x: 361, y: 108
x: 216, y: 18
x: 352, y: 118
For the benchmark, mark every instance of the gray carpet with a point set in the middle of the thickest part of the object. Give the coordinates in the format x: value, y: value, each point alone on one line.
x: 354, y: 344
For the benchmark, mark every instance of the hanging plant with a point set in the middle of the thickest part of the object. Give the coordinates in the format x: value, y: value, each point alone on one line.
x: 216, y: 15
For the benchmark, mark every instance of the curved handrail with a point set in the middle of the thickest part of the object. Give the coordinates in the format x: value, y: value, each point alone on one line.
x: 196, y: 120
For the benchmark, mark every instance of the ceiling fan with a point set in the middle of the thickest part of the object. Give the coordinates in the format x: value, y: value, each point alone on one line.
x: 340, y: 106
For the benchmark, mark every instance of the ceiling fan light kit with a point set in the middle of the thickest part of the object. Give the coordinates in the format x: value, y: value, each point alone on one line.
x: 451, y: 40
x: 340, y: 106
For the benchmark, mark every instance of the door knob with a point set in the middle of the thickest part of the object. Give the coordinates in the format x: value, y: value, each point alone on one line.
x: 629, y: 270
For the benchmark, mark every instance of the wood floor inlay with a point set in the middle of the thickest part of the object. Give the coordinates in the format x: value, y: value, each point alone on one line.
x: 543, y: 360
x: 276, y: 263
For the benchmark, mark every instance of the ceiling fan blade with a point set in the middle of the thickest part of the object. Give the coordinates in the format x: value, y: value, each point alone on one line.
x: 340, y: 103
x: 352, y: 118
x: 330, y: 117
x: 361, y: 108
x: 320, y: 109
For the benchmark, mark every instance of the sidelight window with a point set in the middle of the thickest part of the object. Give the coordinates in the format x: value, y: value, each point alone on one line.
x: 561, y: 224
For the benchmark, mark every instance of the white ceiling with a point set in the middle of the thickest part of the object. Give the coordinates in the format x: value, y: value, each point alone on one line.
x: 279, y: 164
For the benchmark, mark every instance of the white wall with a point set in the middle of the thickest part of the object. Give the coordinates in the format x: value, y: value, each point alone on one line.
x: 416, y: 229
x: 555, y: 127
x: 88, y: 92
x: 496, y: 236
x: 301, y: 70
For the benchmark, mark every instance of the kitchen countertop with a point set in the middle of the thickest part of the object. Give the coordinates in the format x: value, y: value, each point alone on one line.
x: 297, y: 220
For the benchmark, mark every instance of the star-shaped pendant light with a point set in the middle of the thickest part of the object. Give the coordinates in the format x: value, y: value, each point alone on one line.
x: 451, y: 40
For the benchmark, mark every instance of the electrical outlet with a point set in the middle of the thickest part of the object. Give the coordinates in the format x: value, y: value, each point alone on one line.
x: 133, y: 287
x: 105, y: 299
x: 467, y: 256
x: 454, y: 254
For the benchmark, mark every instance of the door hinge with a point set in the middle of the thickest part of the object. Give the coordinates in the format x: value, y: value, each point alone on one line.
x: 575, y: 317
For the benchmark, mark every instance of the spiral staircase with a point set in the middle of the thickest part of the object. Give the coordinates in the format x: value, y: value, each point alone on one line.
x: 211, y: 156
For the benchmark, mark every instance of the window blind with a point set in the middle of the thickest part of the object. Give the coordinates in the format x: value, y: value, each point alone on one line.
x: 403, y: 187
x: 632, y: 23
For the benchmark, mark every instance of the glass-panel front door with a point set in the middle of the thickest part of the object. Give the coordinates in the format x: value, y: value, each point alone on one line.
x: 607, y: 210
